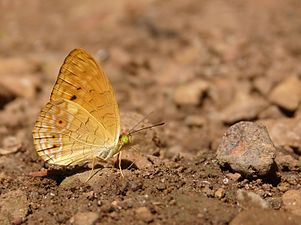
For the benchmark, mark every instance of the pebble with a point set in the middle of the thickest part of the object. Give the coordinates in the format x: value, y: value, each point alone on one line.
x: 84, y: 218
x: 266, y: 217
x: 17, y: 78
x: 220, y: 193
x: 287, y: 162
x: 10, y: 145
x: 143, y: 213
x: 247, y: 148
x: 190, y: 93
x: 24, y: 85
x: 285, y: 132
x: 233, y: 176
x: 287, y: 94
x: 243, y: 107
x: 249, y: 199
x: 161, y: 187
x: 292, y: 201
x: 14, y: 207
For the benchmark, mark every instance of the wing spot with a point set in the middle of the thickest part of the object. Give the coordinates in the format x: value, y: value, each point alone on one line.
x: 73, y: 97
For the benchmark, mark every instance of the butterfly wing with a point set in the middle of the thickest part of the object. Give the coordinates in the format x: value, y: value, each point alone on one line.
x: 81, y: 120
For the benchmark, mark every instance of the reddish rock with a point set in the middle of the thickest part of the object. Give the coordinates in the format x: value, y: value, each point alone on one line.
x: 247, y: 148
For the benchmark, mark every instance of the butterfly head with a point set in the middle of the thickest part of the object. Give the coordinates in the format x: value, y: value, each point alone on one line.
x: 124, y: 138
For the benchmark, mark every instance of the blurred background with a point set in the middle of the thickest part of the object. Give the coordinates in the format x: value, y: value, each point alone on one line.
x: 199, y: 65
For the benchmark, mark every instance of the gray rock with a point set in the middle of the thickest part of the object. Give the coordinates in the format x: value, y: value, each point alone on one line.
x: 247, y: 148
x: 13, y: 207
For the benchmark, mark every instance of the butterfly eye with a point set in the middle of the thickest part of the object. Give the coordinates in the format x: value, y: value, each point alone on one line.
x: 125, y: 139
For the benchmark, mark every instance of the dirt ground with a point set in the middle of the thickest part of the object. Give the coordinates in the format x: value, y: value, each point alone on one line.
x: 199, y: 66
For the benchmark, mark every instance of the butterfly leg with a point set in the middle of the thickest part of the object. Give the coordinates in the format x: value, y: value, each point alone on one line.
x: 91, y: 172
x: 119, y: 163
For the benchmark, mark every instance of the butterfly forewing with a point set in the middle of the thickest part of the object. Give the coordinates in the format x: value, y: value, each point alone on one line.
x: 81, y: 120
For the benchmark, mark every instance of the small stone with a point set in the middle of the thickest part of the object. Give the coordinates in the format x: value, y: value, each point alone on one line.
x: 247, y: 148
x: 292, y: 201
x: 10, y: 145
x: 249, y: 199
x: 84, y: 218
x: 271, y: 112
x: 14, y: 207
x: 285, y: 132
x: 287, y: 94
x: 287, y: 162
x: 190, y: 93
x: 23, y: 85
x: 220, y: 193
x: 233, y: 176
x: 266, y: 217
x: 161, y: 187
x: 262, y: 84
x: 243, y: 107
x: 143, y: 213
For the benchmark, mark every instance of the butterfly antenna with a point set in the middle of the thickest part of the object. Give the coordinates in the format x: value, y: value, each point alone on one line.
x: 144, y: 128
x: 137, y: 124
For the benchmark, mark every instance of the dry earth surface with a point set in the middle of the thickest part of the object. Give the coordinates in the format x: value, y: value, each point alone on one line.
x: 201, y: 67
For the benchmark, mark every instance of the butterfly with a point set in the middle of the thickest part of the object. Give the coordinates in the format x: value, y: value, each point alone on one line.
x: 81, y: 121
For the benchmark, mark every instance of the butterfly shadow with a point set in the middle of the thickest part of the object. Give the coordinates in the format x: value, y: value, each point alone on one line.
x: 58, y: 175
x: 125, y: 164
